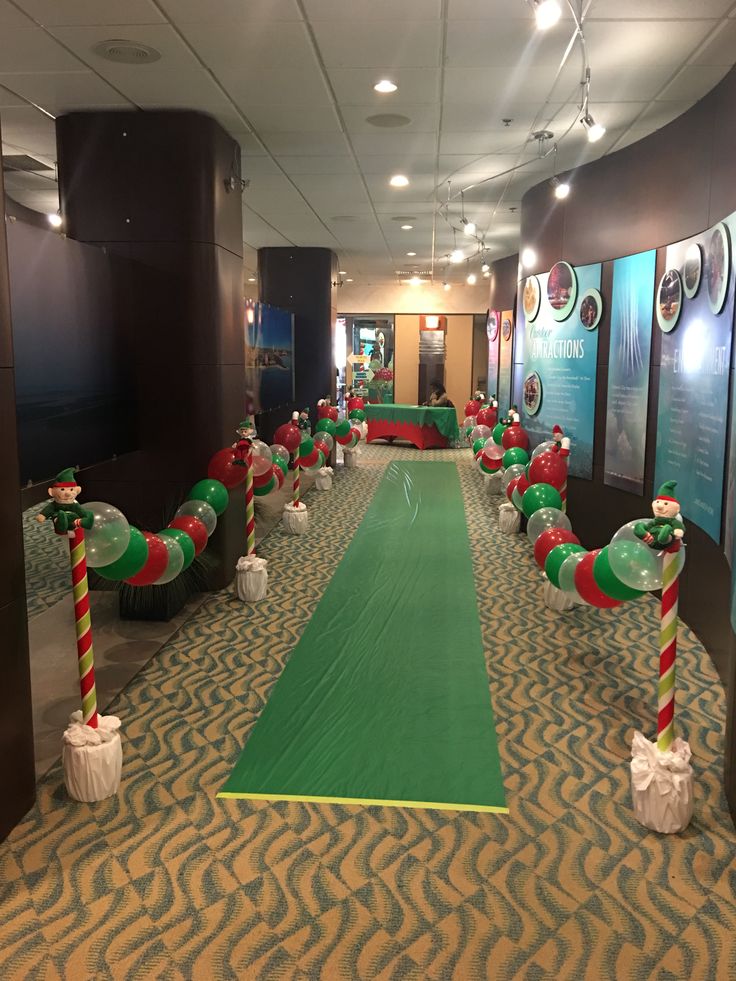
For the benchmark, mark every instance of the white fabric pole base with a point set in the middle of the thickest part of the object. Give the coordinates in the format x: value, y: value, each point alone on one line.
x: 295, y: 518
x: 92, y: 758
x: 493, y: 485
x: 350, y: 457
x: 661, y: 785
x: 323, y: 480
x: 509, y: 520
x: 556, y: 599
x: 251, y: 579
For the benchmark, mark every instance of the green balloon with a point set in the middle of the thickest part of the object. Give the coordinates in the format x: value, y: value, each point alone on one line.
x: 265, y: 489
x: 342, y: 428
x: 306, y: 446
x: 515, y: 455
x: 486, y: 469
x: 130, y: 562
x: 211, y: 491
x: 469, y: 430
x: 325, y: 426
x: 358, y: 414
x: 498, y: 430
x: 185, y: 542
x: 282, y: 464
x: 540, y: 496
x: 608, y: 582
x: 478, y: 445
x: 556, y: 557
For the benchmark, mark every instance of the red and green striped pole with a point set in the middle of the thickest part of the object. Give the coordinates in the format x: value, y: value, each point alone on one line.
x: 668, y: 648
x: 295, y: 494
x: 85, y: 652
x: 250, y: 512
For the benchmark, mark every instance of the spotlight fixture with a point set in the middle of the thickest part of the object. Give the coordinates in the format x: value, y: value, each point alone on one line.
x: 385, y: 86
x: 411, y: 253
x: 485, y: 267
x: 472, y: 279
x: 414, y: 281
x: 594, y: 130
x: 54, y: 219
x: 546, y: 13
x: 446, y: 287
x: 457, y: 256
x: 468, y: 226
x: 561, y: 188
x: 487, y: 275
x: 342, y: 272
x: 399, y: 180
x: 528, y: 257
x: 251, y: 279
x: 406, y: 228
x: 349, y: 280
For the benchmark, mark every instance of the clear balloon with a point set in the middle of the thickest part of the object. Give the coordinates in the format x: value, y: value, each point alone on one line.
x: 567, y: 573
x: 480, y: 432
x: 109, y: 536
x: 175, y: 563
x: 201, y: 510
x: 279, y: 452
x: 324, y: 439
x: 469, y: 422
x: 543, y: 520
x: 626, y: 532
x: 512, y: 472
x: 548, y: 444
x: 492, y: 450
x: 262, y: 457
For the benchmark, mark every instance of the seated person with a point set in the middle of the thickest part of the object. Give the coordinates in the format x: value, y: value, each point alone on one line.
x: 438, y: 398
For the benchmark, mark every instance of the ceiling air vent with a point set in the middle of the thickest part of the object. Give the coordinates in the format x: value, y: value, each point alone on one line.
x: 388, y: 120
x: 126, y: 52
x: 22, y: 162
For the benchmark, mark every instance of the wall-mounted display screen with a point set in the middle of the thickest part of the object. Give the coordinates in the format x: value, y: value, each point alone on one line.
x: 269, y: 355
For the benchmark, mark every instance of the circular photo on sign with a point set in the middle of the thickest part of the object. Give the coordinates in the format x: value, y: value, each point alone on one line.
x: 692, y: 270
x: 532, y: 393
x: 717, y: 265
x: 531, y: 297
x: 506, y: 329
x: 492, y: 325
x: 591, y: 309
x: 562, y: 290
x: 669, y: 300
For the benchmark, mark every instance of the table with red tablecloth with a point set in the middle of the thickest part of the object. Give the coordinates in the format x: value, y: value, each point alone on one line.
x: 422, y: 425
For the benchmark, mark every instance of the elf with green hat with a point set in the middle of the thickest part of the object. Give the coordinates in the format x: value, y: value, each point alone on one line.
x: 666, y: 526
x: 63, y: 509
x: 246, y: 432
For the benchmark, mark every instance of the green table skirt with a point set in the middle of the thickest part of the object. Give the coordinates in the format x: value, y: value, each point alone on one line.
x: 444, y: 420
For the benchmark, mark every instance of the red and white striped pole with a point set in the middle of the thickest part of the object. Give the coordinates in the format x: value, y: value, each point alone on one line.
x: 564, y: 453
x: 295, y: 491
x: 250, y: 513
x: 668, y: 647
x: 85, y: 652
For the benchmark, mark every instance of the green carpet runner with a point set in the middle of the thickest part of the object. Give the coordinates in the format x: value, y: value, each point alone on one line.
x: 385, y: 698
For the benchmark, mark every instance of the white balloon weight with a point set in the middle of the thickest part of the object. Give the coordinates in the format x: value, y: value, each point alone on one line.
x: 480, y: 432
x: 512, y: 472
x: 108, y: 537
x: 262, y: 458
x: 543, y: 520
x: 492, y: 450
x: 202, y: 510
x: 175, y: 563
x: 548, y: 444
x: 566, y: 575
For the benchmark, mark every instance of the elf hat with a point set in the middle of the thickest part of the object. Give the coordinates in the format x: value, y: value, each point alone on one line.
x: 557, y: 429
x: 65, y: 478
x: 245, y: 424
x: 667, y: 491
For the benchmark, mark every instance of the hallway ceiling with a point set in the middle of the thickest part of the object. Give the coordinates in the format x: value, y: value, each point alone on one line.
x: 292, y: 81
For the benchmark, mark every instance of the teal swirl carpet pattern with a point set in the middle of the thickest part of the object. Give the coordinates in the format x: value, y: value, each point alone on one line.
x: 166, y: 881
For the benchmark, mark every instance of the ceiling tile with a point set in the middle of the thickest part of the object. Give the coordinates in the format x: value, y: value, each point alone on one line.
x: 408, y: 163
x: 318, y: 165
x: 230, y: 11
x: 293, y: 119
x: 504, y: 43
x: 29, y: 49
x: 304, y: 144
x: 58, y: 92
x: 693, y: 81
x: 613, y: 85
x: 720, y: 49
x: 30, y: 129
x: 263, y: 44
x: 11, y: 17
x: 497, y: 86
x: 617, y: 45
x: 10, y: 98
x: 668, y: 10
x: 362, y: 10
x: 422, y: 119
x: 298, y: 84
x: 174, y: 53
x: 387, y: 142
x: 386, y: 42
x: 54, y: 13
x: 354, y: 86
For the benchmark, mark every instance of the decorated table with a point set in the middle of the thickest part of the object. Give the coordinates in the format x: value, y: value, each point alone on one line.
x: 421, y: 425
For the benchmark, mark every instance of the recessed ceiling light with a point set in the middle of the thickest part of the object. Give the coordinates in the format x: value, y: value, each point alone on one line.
x: 399, y: 180
x: 388, y: 120
x: 342, y: 272
x: 406, y: 228
x: 54, y: 220
x: 251, y: 279
x: 528, y: 257
x: 472, y: 279
x: 349, y: 280
x: 385, y: 86
x: 411, y: 253
x: 547, y: 13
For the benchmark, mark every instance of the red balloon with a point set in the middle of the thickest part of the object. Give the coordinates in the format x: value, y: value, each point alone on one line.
x: 194, y: 528
x: 222, y: 468
x: 344, y: 440
x: 548, y: 468
x: 289, y: 436
x: 491, y: 463
x: 261, y: 479
x: 323, y: 412
x: 278, y: 473
x: 479, y: 454
x: 158, y: 559
x: 332, y: 413
x: 319, y: 445
x: 309, y: 460
x: 487, y: 417
x: 550, y: 539
x: 511, y: 487
x: 522, y: 483
x: 355, y: 403
x: 472, y: 408
x: 586, y: 585
x: 355, y: 433
x: 515, y: 436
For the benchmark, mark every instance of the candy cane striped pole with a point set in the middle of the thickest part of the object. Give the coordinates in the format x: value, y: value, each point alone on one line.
x: 668, y: 648
x: 250, y: 511
x: 85, y: 653
x: 565, y: 454
x: 295, y: 494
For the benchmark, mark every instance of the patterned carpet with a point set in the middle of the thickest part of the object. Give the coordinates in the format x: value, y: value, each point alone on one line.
x: 165, y: 881
x: 47, y: 564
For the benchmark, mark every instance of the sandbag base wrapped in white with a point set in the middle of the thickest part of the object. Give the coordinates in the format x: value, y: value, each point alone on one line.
x: 295, y: 518
x: 555, y: 598
x: 251, y: 579
x: 509, y: 520
x: 323, y: 480
x: 661, y: 785
x: 92, y: 758
x: 493, y: 484
x: 350, y: 457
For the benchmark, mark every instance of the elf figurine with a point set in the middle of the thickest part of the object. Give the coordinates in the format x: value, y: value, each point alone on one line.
x: 509, y: 418
x: 246, y: 434
x: 63, y: 509
x: 666, y: 526
x: 303, y: 422
x: 557, y: 436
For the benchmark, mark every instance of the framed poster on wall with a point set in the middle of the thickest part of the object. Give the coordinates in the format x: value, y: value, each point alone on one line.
x: 493, y: 332
x: 269, y: 355
x: 505, y: 355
